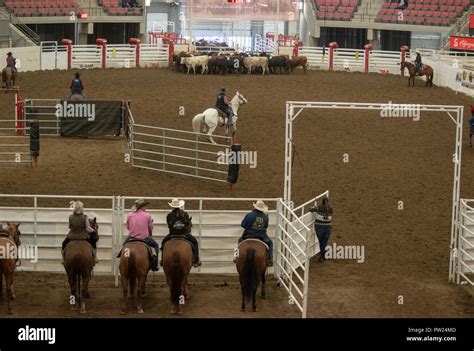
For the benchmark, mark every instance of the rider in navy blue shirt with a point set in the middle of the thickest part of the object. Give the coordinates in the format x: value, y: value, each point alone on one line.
x: 76, y: 86
x: 222, y: 103
x: 255, y: 224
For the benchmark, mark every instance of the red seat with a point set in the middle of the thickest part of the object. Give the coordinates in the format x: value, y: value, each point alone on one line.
x: 452, y: 15
x: 429, y: 13
x: 421, y: 13
x: 345, y: 16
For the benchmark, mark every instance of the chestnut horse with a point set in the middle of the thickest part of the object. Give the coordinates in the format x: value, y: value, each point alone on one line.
x: 252, y: 266
x: 134, y: 265
x: 79, y: 263
x: 9, y: 237
x: 177, y: 263
x: 8, y: 77
x: 426, y: 70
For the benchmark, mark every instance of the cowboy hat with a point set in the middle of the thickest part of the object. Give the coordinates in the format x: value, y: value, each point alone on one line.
x: 260, y: 205
x: 223, y: 89
x: 9, y: 53
x: 176, y: 203
x: 139, y: 204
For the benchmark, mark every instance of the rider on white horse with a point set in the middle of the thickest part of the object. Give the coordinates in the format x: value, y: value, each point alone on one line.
x: 222, y: 104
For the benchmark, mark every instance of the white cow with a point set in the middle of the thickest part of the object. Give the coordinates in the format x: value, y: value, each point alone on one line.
x: 192, y: 62
x: 250, y: 62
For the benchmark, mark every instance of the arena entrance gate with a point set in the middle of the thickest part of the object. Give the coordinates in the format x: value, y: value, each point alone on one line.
x: 294, y: 109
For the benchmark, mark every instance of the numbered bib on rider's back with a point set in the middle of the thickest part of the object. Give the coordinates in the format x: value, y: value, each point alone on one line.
x: 17, y: 63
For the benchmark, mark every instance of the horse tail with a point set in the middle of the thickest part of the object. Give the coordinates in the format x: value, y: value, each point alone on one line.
x: 177, y: 277
x: 250, y: 274
x: 132, y: 272
x: 197, y: 121
x: 77, y: 266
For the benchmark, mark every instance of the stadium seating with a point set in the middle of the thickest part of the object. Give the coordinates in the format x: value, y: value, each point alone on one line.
x: 424, y: 12
x: 26, y: 8
x: 336, y: 10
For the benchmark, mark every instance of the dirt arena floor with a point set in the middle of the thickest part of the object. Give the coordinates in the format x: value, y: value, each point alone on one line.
x: 390, y: 160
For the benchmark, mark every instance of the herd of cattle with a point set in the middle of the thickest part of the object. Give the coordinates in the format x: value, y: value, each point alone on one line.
x: 236, y: 63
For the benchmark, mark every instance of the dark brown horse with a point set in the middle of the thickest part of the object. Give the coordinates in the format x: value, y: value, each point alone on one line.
x: 79, y: 263
x: 8, y: 77
x: 252, y: 266
x: 177, y: 263
x: 9, y: 238
x: 134, y: 265
x: 426, y: 70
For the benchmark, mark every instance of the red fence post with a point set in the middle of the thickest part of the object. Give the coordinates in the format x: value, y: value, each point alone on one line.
x: 68, y: 44
x: 103, y: 43
x: 368, y: 49
x: 136, y: 42
x: 404, y: 50
x: 333, y: 45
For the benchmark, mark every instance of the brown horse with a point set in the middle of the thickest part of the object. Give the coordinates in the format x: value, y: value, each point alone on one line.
x: 8, y: 77
x: 134, y: 264
x: 252, y: 266
x: 177, y: 263
x: 79, y: 263
x: 9, y: 237
x: 426, y: 70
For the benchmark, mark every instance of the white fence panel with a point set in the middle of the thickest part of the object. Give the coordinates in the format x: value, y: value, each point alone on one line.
x: 86, y: 56
x: 178, y: 152
x: 121, y: 56
x: 46, y: 227
x: 349, y: 59
x: 465, y: 249
x: 385, y: 60
x: 317, y: 57
x: 154, y: 55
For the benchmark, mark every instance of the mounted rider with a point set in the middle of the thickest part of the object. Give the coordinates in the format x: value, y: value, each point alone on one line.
x: 77, y: 87
x: 179, y: 224
x: 140, y: 228
x: 418, y: 63
x: 80, y: 229
x: 255, y: 224
x: 11, y: 61
x: 223, y: 104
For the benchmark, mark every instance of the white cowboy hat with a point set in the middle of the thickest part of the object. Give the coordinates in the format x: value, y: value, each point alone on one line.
x: 139, y: 204
x: 260, y: 205
x: 176, y: 203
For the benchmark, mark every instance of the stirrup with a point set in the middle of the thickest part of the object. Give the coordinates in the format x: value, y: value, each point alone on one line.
x: 269, y: 263
x: 197, y: 264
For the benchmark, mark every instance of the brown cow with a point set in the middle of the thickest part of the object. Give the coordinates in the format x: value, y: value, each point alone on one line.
x: 298, y: 61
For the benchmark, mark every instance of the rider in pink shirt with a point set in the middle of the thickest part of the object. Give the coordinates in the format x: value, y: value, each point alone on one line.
x: 140, y: 227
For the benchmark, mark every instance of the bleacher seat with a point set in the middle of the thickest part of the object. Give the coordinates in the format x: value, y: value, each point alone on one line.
x: 425, y: 12
x: 30, y: 8
x: 333, y: 10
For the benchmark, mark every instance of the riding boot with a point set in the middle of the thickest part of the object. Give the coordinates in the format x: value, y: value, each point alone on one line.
x: 196, y: 261
x: 154, y: 263
x: 62, y: 255
x: 96, y: 260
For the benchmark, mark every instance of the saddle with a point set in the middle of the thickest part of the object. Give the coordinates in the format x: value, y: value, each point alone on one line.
x: 149, y: 248
x: 255, y: 239
x: 178, y: 237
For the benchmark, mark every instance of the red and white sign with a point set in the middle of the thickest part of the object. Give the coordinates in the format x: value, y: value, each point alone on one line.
x: 471, y: 21
x: 461, y: 43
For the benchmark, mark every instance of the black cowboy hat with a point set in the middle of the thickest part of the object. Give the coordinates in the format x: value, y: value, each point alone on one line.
x: 9, y: 53
x: 223, y: 89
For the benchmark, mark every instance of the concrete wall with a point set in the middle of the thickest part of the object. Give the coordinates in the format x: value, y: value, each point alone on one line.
x: 29, y: 57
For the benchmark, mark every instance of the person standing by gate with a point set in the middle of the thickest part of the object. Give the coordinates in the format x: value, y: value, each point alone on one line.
x: 323, y: 225
x: 34, y: 142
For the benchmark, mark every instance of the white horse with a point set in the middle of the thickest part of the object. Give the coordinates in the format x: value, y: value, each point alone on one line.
x: 210, y: 119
